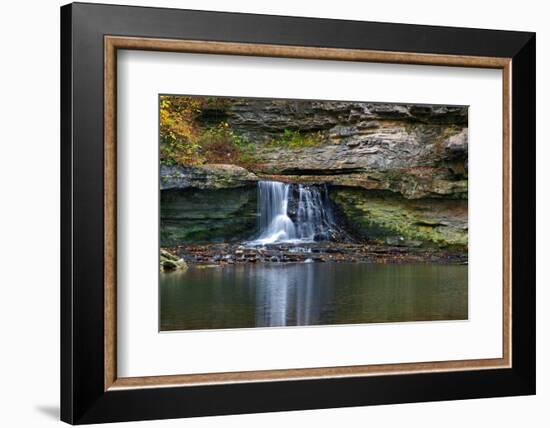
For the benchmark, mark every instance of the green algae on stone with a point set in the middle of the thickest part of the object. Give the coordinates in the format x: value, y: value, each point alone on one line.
x: 171, y: 262
x: 382, y: 217
x: 201, y: 216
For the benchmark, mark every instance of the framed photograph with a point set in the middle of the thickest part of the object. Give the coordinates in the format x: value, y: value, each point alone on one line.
x: 265, y: 213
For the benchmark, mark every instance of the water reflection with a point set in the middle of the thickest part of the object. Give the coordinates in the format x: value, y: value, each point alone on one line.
x: 279, y: 295
x: 287, y: 296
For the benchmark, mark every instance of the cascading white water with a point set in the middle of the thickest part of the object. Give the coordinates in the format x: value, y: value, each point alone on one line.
x: 313, y: 215
x: 275, y: 224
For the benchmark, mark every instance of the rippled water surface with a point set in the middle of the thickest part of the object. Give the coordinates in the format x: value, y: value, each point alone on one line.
x: 275, y: 295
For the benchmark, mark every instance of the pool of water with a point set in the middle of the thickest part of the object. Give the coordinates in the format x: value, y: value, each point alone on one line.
x: 276, y: 295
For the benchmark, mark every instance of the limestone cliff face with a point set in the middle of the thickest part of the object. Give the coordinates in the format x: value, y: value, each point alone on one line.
x: 417, y: 151
x: 386, y: 218
x: 412, y: 155
x: 210, y: 215
x: 205, y: 177
x: 258, y: 118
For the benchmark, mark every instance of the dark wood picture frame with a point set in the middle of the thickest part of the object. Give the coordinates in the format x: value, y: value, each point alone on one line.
x: 90, y: 37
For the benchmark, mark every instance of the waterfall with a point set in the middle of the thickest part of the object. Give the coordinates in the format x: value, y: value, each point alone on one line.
x: 275, y: 224
x: 313, y: 216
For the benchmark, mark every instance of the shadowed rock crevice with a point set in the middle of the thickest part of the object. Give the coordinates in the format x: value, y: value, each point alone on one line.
x: 207, y: 216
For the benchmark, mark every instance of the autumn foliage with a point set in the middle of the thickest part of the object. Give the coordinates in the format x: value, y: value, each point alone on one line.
x: 178, y: 131
x: 184, y: 141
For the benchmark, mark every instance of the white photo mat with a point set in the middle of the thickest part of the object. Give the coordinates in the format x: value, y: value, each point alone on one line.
x: 144, y: 351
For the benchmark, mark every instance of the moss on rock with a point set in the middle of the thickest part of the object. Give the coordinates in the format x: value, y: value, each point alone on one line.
x: 386, y: 218
x: 206, y: 216
x: 171, y: 262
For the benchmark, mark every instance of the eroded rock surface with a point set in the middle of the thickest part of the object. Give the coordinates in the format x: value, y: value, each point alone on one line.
x: 417, y: 151
x: 198, y: 216
x: 383, y: 218
x: 261, y: 119
x: 171, y: 262
x: 211, y: 176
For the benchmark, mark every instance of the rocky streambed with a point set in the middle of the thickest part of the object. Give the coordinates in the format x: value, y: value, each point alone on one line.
x: 230, y: 254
